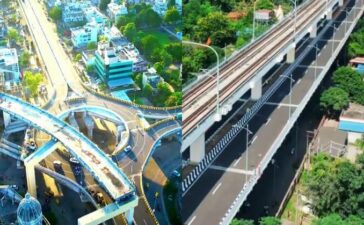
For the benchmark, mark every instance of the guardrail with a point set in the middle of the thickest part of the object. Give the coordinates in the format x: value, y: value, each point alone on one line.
x: 234, y: 208
x: 117, y: 100
x: 160, y: 122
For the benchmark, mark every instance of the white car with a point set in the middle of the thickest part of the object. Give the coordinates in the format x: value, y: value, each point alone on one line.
x: 127, y: 149
x: 57, y: 163
x: 74, y: 160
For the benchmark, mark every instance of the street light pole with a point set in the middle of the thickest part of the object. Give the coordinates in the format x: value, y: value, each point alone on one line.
x: 254, y: 5
x: 290, y: 93
x: 295, y: 20
x: 317, y: 50
x: 217, y: 115
x: 248, y: 132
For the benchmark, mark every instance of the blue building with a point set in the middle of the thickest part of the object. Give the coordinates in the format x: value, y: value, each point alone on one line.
x: 113, y: 68
x: 352, y: 121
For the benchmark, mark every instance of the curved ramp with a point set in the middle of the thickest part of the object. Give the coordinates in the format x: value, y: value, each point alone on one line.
x: 106, y: 172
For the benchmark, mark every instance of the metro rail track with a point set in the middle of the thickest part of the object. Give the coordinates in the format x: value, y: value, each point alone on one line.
x: 241, y: 59
x: 315, y: 6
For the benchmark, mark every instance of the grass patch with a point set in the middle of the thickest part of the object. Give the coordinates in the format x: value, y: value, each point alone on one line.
x: 164, y: 38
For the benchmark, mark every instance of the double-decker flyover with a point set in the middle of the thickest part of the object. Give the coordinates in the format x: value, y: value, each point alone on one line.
x: 223, y: 186
x: 244, y: 70
x: 101, y: 167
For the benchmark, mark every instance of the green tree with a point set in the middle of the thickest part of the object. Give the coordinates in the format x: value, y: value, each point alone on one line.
x: 333, y: 100
x: 130, y: 31
x: 90, y: 68
x: 13, y: 34
x: 216, y: 27
x: 77, y: 57
x: 166, y: 58
x: 332, y: 219
x: 159, y: 67
x: 149, y: 43
x: 175, y: 50
x: 24, y: 59
x: 55, y: 13
x: 242, y: 222
x: 32, y: 82
x: 172, y: 16
x: 103, y: 4
x: 91, y: 46
x: 122, y: 21
x: 270, y: 221
x: 148, y: 90
x: 147, y: 17
x: 174, y: 99
x: 264, y: 4
x: 138, y: 79
x: 351, y: 81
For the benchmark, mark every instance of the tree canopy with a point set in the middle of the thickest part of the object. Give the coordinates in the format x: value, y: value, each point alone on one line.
x: 56, y: 13
x: 32, y: 82
x: 333, y: 100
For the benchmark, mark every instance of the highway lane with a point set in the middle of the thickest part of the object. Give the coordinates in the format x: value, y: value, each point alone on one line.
x: 223, y: 176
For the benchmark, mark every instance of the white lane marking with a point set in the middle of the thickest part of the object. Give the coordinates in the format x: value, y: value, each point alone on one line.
x: 191, y: 221
x: 232, y: 170
x: 255, y: 138
x: 269, y: 119
x: 217, y: 187
x: 237, y: 161
x: 299, y: 81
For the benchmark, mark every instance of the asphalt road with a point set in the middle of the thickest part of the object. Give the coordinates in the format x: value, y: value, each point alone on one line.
x: 208, y: 199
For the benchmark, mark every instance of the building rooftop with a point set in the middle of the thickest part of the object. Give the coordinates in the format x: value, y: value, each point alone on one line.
x: 8, y: 56
x: 355, y: 111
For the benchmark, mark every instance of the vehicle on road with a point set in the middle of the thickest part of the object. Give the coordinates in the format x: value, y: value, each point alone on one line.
x: 127, y: 149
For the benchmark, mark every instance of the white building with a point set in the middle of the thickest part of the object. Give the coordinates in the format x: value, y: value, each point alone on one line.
x: 93, y: 15
x: 160, y: 7
x: 73, y: 12
x: 151, y: 77
x: 115, y: 10
x: 83, y: 35
x: 9, y: 67
x: 132, y: 53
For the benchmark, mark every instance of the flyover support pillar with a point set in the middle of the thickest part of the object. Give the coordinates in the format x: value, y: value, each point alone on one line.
x: 90, y: 124
x: 341, y: 3
x: 7, y: 119
x: 197, y: 149
x: 119, y: 130
x: 130, y: 216
x: 291, y: 55
x: 329, y: 14
x: 256, y: 89
x: 313, y: 31
x: 31, y: 182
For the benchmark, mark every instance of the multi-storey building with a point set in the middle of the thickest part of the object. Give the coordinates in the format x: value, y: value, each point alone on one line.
x: 73, y: 12
x: 9, y: 67
x: 116, y: 10
x: 114, y: 69
x: 81, y: 36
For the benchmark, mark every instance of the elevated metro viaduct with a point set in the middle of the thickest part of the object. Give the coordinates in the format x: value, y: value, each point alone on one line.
x: 208, y: 189
x: 194, y: 132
